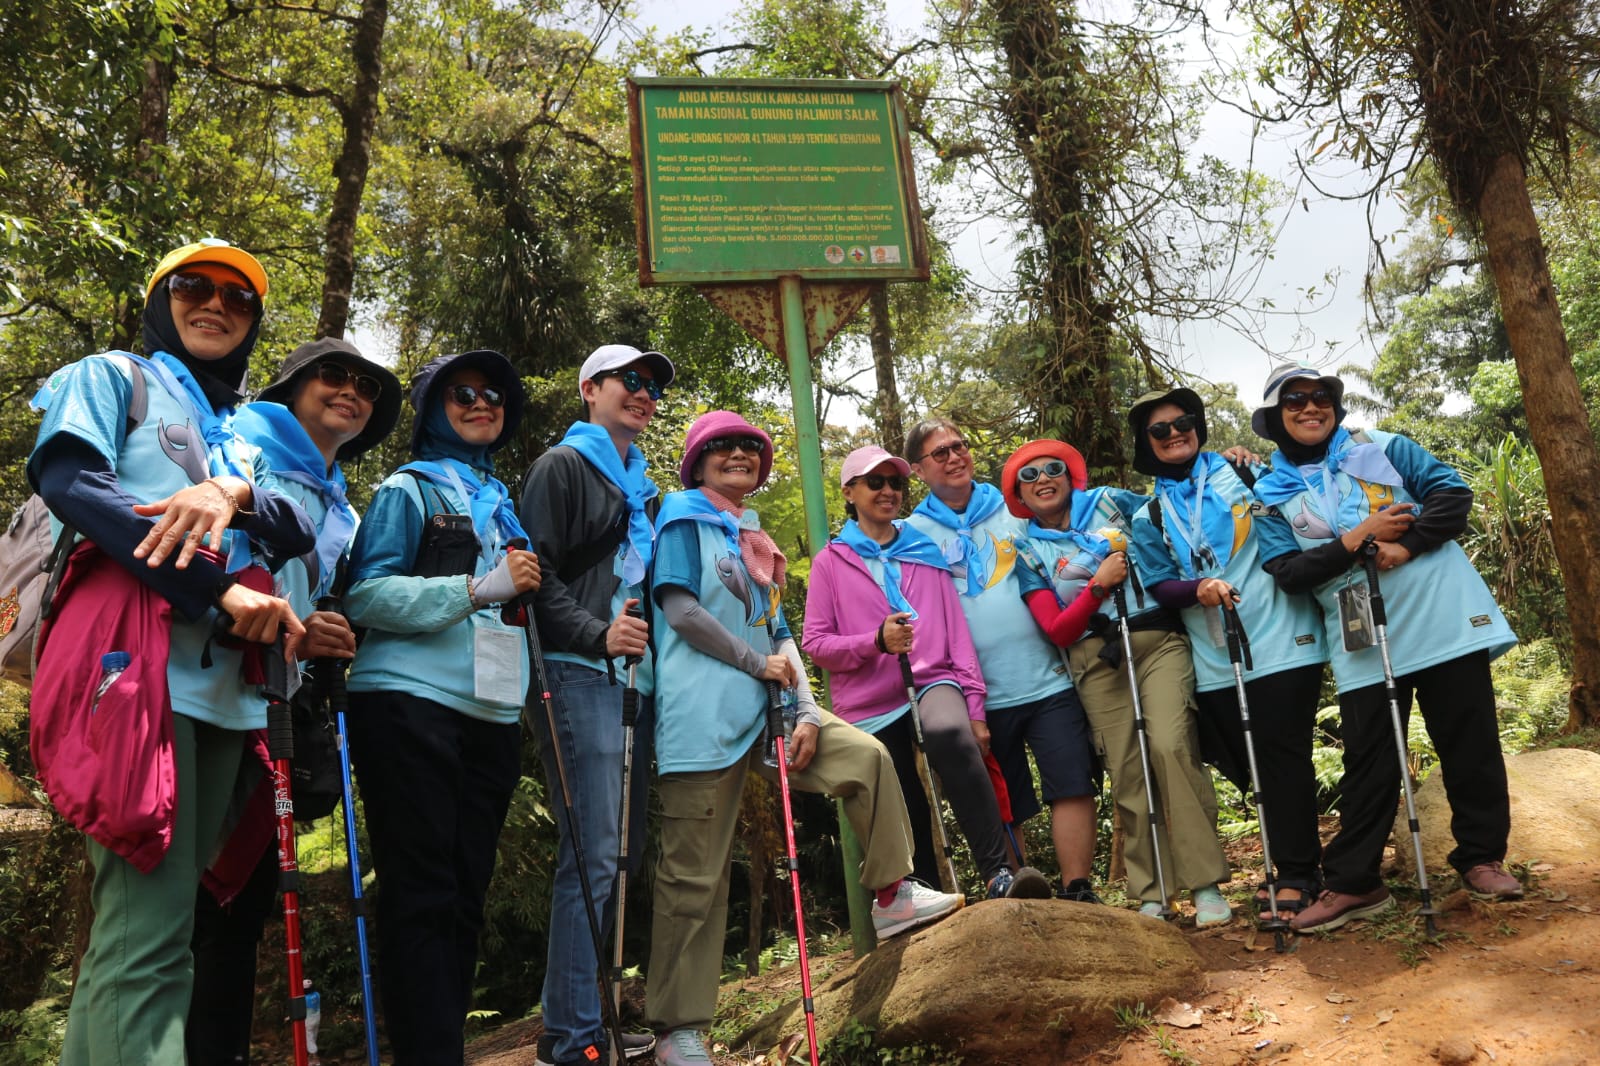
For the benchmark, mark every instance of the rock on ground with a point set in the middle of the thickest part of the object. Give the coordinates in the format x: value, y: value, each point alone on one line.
x: 1001, y: 981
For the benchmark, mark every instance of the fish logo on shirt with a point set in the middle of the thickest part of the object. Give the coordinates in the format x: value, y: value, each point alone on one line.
x: 185, y: 447
x: 1309, y: 524
x: 1241, y: 525
x: 1004, y: 556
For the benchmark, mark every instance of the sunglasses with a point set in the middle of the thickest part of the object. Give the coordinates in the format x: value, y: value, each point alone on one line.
x: 466, y: 395
x: 337, y: 376
x: 724, y: 445
x: 1163, y: 430
x: 942, y: 454
x: 198, y: 288
x: 1033, y: 472
x: 1295, y: 402
x: 876, y: 482
x: 633, y: 381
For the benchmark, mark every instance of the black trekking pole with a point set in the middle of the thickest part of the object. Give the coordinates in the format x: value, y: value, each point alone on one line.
x: 331, y: 675
x: 630, y: 717
x: 778, y: 726
x: 280, y: 749
x: 1239, y: 656
x: 530, y: 630
x: 927, y: 769
x: 1380, y: 626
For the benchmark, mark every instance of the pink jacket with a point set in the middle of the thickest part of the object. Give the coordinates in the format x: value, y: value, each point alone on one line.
x: 844, y: 607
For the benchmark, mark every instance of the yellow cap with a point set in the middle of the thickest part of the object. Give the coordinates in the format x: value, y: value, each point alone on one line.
x: 212, y: 250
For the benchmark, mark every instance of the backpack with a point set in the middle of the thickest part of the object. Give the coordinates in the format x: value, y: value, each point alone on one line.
x: 31, y: 565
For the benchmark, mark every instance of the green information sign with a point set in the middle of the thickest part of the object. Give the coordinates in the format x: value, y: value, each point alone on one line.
x: 743, y: 180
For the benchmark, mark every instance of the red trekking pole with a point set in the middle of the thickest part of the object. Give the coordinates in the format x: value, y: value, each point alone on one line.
x: 280, y: 749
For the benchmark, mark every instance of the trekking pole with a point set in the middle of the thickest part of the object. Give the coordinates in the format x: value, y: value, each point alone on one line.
x: 280, y: 749
x: 524, y: 605
x: 927, y: 768
x: 778, y: 727
x: 331, y: 674
x: 1380, y: 625
x: 1239, y: 656
x: 630, y: 716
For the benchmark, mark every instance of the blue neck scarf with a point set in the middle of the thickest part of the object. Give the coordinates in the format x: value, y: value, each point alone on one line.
x: 294, y: 457
x: 595, y: 444
x: 965, y: 549
x: 692, y: 506
x: 1197, y: 518
x: 909, y: 545
x: 1082, y: 510
x: 1367, y: 462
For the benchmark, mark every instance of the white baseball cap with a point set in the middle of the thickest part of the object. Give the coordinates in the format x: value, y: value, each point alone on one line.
x: 616, y: 356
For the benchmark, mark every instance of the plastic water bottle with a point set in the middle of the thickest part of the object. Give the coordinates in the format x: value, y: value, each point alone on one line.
x: 313, y: 1019
x: 112, y: 663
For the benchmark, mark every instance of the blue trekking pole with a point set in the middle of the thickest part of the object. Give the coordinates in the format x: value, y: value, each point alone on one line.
x: 330, y: 673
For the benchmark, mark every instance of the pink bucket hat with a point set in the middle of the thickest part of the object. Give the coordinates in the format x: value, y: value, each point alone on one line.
x: 715, y: 424
x: 865, y: 460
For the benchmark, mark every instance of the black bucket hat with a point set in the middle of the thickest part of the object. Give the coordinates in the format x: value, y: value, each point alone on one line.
x: 494, y: 366
x: 1144, y: 460
x: 385, y: 410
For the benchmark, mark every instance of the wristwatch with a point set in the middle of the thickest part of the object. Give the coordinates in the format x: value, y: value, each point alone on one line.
x: 1097, y: 590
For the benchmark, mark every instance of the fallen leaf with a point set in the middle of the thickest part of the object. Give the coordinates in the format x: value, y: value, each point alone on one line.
x: 1339, y: 997
x: 1384, y: 1018
x: 1556, y: 897
x: 1178, y: 1015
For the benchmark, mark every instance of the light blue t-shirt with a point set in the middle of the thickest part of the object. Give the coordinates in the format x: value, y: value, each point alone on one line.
x: 1216, y: 539
x: 1070, y: 559
x: 1019, y: 663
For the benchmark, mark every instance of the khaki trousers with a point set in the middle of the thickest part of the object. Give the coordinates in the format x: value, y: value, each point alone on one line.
x: 1190, y: 852
x: 699, y: 814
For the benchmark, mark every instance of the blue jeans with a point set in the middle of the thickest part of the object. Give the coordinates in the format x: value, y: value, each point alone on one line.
x: 588, y: 711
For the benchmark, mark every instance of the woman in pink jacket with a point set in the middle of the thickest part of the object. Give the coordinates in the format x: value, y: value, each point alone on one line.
x: 881, y: 589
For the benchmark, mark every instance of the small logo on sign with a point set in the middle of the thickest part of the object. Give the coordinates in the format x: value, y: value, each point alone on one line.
x: 885, y: 254
x: 858, y: 254
x: 834, y: 254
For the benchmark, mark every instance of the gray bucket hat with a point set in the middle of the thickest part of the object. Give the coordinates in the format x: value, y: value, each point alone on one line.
x: 385, y: 410
x: 1281, y: 376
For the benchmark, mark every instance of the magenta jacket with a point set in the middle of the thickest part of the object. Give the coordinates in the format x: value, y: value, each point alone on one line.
x: 844, y: 607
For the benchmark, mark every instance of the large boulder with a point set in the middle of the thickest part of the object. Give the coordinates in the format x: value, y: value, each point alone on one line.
x: 1001, y: 981
x: 1552, y: 816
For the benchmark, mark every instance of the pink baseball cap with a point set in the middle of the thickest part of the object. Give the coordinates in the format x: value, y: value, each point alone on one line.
x: 867, y: 459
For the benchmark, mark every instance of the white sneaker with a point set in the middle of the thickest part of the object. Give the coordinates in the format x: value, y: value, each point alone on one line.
x: 914, y: 904
x: 682, y: 1047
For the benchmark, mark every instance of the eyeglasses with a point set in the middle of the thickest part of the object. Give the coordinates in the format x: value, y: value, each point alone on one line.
x: 724, y: 445
x: 1033, y: 472
x: 633, y: 381
x: 466, y: 395
x: 876, y: 482
x: 942, y: 454
x: 198, y: 288
x: 337, y: 376
x: 1295, y: 402
x: 1163, y: 430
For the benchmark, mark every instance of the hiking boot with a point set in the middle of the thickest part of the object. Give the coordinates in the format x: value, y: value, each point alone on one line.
x: 1078, y: 890
x: 1489, y: 880
x: 634, y: 1046
x: 1210, y: 909
x: 682, y: 1047
x: 914, y: 904
x: 1333, y: 909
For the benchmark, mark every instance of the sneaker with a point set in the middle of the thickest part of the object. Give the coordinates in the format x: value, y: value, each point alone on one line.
x: 1150, y: 909
x: 1489, y: 880
x: 634, y: 1046
x: 1210, y: 909
x: 1078, y: 890
x: 1333, y: 909
x: 914, y: 904
x: 682, y: 1047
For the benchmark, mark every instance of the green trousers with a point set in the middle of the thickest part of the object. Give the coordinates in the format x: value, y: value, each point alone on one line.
x: 1190, y: 852
x: 132, y: 997
x: 699, y: 814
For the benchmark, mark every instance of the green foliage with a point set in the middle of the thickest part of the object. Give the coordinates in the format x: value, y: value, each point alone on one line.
x: 856, y: 1045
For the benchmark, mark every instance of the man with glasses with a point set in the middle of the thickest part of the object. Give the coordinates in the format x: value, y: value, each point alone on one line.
x: 589, y: 507
x: 1031, y: 703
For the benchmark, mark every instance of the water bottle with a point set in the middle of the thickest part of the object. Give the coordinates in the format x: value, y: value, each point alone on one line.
x: 112, y: 663
x: 313, y: 1019
x: 791, y: 712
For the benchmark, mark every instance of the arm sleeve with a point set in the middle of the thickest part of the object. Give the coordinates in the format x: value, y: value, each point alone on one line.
x: 1446, y: 501
x: 1063, y: 625
x: 383, y: 593
x: 1295, y: 570
x: 806, y: 703
x: 704, y: 633
x: 277, y: 526
x: 551, y: 510
x: 1176, y: 594
x: 822, y: 640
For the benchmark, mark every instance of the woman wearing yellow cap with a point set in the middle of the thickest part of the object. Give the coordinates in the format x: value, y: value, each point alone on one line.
x: 133, y: 454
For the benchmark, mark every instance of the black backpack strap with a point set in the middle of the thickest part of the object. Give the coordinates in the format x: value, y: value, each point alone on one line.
x: 1245, y: 474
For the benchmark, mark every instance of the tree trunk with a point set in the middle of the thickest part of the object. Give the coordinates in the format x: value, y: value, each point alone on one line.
x: 1557, y: 419
x: 359, y: 112
x: 155, y: 103
x: 891, y: 422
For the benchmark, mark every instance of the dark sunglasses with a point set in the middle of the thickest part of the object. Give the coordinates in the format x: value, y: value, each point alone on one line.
x: 1295, y: 402
x: 941, y: 454
x: 876, y: 482
x: 1163, y: 430
x: 633, y: 381
x: 1033, y: 472
x: 466, y: 395
x: 198, y: 288
x: 724, y: 445
x: 337, y: 376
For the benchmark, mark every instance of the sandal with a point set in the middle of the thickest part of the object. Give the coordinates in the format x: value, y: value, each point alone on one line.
x: 1290, y: 905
